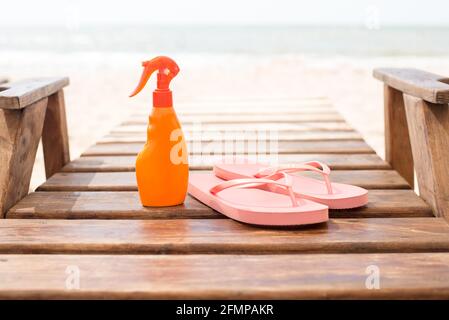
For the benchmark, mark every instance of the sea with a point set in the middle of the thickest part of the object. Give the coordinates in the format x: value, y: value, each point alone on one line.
x: 256, y: 40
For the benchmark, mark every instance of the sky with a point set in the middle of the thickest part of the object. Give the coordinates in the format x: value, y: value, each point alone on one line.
x: 226, y: 12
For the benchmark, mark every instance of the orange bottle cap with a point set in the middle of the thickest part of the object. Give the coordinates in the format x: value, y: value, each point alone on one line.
x: 167, y: 70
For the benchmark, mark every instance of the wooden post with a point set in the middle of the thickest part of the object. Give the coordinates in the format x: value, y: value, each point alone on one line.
x: 55, y: 140
x: 425, y: 100
x: 20, y: 132
x: 398, y: 152
x: 23, y: 108
x: 428, y: 124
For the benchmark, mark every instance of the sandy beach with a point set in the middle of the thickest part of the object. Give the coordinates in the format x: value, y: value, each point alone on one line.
x: 97, y: 98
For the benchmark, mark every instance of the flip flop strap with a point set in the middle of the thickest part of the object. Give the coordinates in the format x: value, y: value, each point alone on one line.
x: 314, y: 166
x: 251, y: 183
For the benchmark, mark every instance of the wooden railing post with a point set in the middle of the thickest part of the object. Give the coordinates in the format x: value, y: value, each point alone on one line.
x: 425, y: 107
x: 20, y: 131
x: 429, y: 129
x: 23, y: 107
x: 398, y: 151
x: 55, y: 139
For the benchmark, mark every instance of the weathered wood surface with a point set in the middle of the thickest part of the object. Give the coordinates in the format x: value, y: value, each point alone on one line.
x: 425, y: 85
x: 20, y: 94
x: 398, y: 151
x: 279, y: 128
x: 126, y: 205
x: 103, y: 205
x: 214, y: 109
x: 402, y: 275
x: 206, y: 136
x: 126, y: 181
x: 221, y: 236
x: 262, y: 147
x: 248, y: 106
x: 93, y: 208
x: 20, y: 132
x: 254, y: 118
x: 127, y: 163
x: 55, y: 138
x: 429, y: 131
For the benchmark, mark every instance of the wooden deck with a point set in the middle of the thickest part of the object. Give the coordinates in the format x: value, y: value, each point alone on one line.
x: 88, y: 216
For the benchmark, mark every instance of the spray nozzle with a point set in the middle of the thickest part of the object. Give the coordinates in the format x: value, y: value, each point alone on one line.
x: 167, y: 70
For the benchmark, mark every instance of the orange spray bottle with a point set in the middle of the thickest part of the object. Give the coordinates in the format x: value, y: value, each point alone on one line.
x: 162, y: 168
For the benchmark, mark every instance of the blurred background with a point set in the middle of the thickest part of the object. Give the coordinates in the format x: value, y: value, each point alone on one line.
x: 232, y: 48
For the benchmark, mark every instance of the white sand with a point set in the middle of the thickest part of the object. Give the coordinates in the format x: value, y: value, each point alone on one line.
x: 97, y: 98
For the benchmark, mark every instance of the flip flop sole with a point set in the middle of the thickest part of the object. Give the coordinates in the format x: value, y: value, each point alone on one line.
x: 256, y: 206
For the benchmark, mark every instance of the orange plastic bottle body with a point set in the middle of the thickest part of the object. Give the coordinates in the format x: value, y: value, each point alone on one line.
x: 162, y: 168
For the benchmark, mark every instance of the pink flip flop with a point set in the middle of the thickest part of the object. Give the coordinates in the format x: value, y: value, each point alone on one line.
x: 244, y: 201
x: 334, y: 195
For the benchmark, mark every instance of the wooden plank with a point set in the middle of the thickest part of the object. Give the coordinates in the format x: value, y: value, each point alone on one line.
x: 398, y: 151
x: 103, y: 205
x: 218, y: 109
x: 126, y: 181
x: 20, y: 132
x: 20, y: 94
x: 267, y: 147
x: 237, y: 127
x: 55, y: 138
x: 236, y: 118
x: 255, y: 99
x: 126, y: 205
x: 425, y: 85
x: 264, y: 104
x: 429, y: 132
x: 127, y: 163
x: 287, y: 135
x: 221, y: 236
x: 388, y: 203
x: 216, y: 135
x: 312, y: 276
x: 246, y: 109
